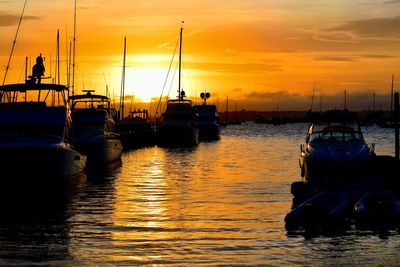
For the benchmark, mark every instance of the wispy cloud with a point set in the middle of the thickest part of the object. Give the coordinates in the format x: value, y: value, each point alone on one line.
x: 379, y: 56
x: 166, y: 44
x: 392, y: 2
x: 378, y: 28
x: 332, y: 58
x: 10, y: 20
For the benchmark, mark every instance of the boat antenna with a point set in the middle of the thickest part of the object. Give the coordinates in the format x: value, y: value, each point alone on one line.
x: 122, y: 94
x: 180, y: 62
x: 74, y: 52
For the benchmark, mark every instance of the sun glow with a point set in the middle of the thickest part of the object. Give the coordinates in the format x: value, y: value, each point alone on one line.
x: 144, y: 83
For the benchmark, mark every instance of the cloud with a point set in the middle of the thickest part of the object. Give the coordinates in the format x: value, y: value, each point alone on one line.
x: 379, y: 56
x: 10, y: 20
x: 330, y: 58
x: 392, y: 2
x: 377, y: 28
x: 166, y: 44
x: 236, y: 67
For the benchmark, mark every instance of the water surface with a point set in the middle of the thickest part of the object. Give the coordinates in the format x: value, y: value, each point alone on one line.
x: 221, y: 203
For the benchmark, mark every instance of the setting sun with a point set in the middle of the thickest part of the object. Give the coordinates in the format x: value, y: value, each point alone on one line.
x: 259, y: 53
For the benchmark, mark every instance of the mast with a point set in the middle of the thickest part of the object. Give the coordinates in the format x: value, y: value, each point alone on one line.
x: 391, y: 99
x: 122, y: 95
x: 320, y: 103
x: 58, y: 57
x: 373, y: 103
x: 180, y: 62
x: 73, y: 52
x: 312, y: 98
x: 345, y: 99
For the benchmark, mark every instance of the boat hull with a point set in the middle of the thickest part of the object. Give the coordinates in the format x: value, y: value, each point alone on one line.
x: 57, y: 161
x: 173, y: 135
x: 209, y: 132
x: 322, y: 211
x: 377, y: 209
x: 102, y: 151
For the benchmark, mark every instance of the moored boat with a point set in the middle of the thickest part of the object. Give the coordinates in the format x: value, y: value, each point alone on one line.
x: 35, y: 125
x: 209, y: 120
x: 335, y: 149
x: 93, y: 130
x: 325, y: 210
x: 179, y: 123
x: 136, y: 130
x: 377, y: 209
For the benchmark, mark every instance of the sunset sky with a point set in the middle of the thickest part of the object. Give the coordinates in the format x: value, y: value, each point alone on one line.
x: 260, y: 53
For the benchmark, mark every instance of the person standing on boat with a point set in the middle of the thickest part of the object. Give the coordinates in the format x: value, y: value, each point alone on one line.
x: 38, y: 69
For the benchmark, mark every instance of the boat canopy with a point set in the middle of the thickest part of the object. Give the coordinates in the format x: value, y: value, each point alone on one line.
x: 103, y: 102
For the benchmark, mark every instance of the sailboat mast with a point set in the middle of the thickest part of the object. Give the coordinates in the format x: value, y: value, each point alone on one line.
x: 180, y: 62
x: 312, y: 98
x: 73, y: 52
x: 391, y: 99
x: 122, y: 96
x: 58, y: 57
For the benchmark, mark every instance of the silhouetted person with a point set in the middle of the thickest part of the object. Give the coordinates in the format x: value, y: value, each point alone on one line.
x: 38, y: 69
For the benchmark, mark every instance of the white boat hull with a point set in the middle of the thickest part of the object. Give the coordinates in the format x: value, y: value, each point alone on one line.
x: 102, y: 151
x: 35, y: 162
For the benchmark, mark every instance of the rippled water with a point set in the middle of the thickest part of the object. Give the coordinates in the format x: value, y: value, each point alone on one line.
x: 221, y: 203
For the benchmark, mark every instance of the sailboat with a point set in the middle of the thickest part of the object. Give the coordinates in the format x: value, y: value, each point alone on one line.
x: 178, y: 124
x: 135, y: 130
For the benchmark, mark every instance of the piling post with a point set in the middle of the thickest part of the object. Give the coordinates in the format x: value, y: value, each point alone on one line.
x: 396, y: 124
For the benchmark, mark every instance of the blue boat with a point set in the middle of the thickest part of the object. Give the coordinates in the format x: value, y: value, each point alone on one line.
x: 335, y: 149
x: 377, y: 209
x: 326, y: 210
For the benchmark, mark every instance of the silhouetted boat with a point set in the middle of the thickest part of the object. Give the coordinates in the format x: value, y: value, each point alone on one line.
x: 335, y: 148
x: 93, y: 131
x: 178, y: 124
x: 209, y: 120
x: 136, y: 130
x: 377, y: 209
x: 325, y: 210
x: 35, y: 126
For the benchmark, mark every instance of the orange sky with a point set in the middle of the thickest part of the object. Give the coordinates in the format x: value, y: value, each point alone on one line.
x: 262, y: 53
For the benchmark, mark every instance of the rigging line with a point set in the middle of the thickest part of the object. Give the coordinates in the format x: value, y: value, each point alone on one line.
x: 74, y: 52
x: 166, y: 79
x: 14, y: 42
x: 172, y: 80
x: 12, y: 51
x: 172, y: 83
